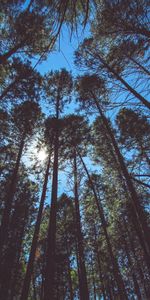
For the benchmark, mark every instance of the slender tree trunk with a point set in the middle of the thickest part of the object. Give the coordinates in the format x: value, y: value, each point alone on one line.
x: 51, y: 238
x: 117, y: 274
x: 9, y: 199
x: 42, y: 287
x: 124, y: 242
x: 9, y: 266
x: 101, y: 277
x: 141, y: 226
x: 43, y: 274
x: 16, y: 267
x: 135, y: 282
x: 69, y: 273
x: 77, y: 260
x: 111, y: 297
x: 136, y: 260
x: 129, y: 88
x: 29, y: 271
x: 34, y: 288
x: 94, y: 287
x: 99, y: 264
x: 93, y: 279
x: 83, y: 287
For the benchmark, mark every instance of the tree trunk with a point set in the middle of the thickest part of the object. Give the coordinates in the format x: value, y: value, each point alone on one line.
x: 124, y: 242
x: 83, y: 287
x: 136, y: 260
x: 9, y: 264
x: 29, y: 270
x: 34, y: 288
x: 93, y: 279
x: 111, y: 297
x: 77, y: 261
x: 117, y: 274
x: 51, y: 238
x: 69, y: 273
x: 139, y: 215
x: 9, y: 199
x: 16, y: 267
x: 99, y: 263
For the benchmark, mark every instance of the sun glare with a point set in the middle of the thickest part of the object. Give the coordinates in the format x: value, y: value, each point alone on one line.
x: 42, y: 155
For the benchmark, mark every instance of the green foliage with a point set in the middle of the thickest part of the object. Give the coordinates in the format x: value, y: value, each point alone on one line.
x: 102, y: 233
x: 26, y: 117
x: 21, y: 83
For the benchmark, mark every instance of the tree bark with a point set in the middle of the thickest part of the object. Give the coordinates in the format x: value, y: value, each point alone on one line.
x: 9, y: 199
x: 94, y: 286
x: 29, y: 270
x: 136, y: 260
x: 117, y: 274
x: 9, y: 264
x: 124, y: 242
x: 51, y: 238
x: 139, y: 215
x: 99, y: 263
x: 69, y: 272
x: 83, y: 286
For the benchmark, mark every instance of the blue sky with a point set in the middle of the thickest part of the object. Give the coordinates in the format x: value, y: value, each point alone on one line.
x: 63, y: 54
x: 63, y: 57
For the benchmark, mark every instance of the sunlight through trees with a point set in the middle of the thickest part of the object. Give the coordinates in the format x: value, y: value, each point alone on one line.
x: 75, y: 150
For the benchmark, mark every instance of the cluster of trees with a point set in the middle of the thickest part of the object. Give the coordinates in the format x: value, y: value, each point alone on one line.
x: 92, y: 242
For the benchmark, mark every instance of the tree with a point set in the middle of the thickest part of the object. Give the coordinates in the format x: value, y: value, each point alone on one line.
x: 34, y: 28
x: 29, y: 270
x: 26, y: 31
x: 65, y: 247
x: 25, y: 118
x: 89, y: 55
x: 22, y: 213
x: 92, y: 241
x: 134, y: 131
x: 131, y: 54
x: 89, y: 90
x: 124, y: 19
x: 22, y: 82
x: 75, y: 129
x: 58, y: 88
x: 117, y: 274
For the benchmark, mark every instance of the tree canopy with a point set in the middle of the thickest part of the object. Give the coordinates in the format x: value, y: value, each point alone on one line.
x: 75, y: 150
